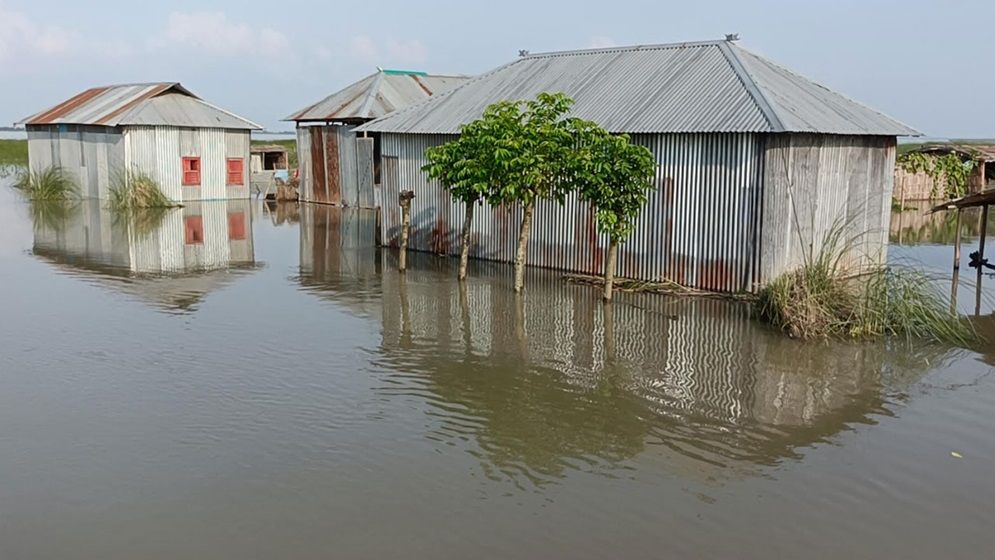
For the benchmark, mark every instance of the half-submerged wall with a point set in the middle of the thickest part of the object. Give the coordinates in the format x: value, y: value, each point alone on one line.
x: 96, y: 155
x: 698, y: 227
x: 159, y: 151
x: 335, y: 166
x: 815, y: 182
x: 91, y: 154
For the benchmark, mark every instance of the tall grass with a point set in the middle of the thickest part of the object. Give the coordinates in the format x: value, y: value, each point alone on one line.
x: 50, y: 183
x: 828, y: 297
x: 135, y: 189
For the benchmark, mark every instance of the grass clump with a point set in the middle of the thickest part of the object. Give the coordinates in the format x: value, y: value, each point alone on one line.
x: 136, y: 189
x: 826, y: 298
x: 50, y: 183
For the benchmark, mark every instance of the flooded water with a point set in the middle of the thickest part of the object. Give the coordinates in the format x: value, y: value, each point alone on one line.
x: 234, y: 381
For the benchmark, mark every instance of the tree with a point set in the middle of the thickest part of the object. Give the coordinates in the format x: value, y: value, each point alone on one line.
x: 536, y: 157
x: 615, y: 179
x: 518, y: 152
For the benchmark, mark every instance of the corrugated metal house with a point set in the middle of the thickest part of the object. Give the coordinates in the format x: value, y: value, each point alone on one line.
x: 756, y: 163
x: 335, y: 166
x: 195, y: 150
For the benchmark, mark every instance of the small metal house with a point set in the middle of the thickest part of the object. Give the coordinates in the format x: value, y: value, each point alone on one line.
x: 335, y: 166
x: 195, y: 150
x: 756, y: 164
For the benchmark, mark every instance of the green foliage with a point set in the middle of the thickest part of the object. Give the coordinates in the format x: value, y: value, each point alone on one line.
x: 517, y: 152
x: 947, y: 169
x: 51, y: 183
x: 616, y: 178
x: 136, y: 189
x: 821, y: 299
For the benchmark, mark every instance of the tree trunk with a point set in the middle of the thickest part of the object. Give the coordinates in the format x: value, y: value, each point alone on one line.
x: 523, y: 243
x: 610, y: 268
x: 464, y: 254
x: 405, y: 231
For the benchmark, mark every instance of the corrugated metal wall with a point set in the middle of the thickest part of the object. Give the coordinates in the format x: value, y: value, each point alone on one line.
x: 698, y: 228
x: 89, y: 153
x: 815, y: 181
x: 158, y: 150
x: 331, y: 166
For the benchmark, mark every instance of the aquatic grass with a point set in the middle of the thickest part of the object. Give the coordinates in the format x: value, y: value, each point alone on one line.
x: 50, y: 183
x: 829, y: 297
x: 135, y: 189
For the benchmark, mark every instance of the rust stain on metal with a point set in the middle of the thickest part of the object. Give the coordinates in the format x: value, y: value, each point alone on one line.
x: 422, y: 85
x: 67, y: 106
x: 332, y: 175
x: 317, y: 166
x: 345, y: 104
x: 127, y: 106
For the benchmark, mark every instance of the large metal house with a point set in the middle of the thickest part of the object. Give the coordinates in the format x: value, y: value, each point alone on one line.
x: 756, y: 164
x: 195, y: 150
x: 335, y: 166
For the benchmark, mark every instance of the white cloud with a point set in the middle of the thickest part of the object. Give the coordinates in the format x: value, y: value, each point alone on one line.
x: 411, y: 51
x: 602, y: 42
x: 213, y: 33
x: 20, y: 36
x: 364, y: 48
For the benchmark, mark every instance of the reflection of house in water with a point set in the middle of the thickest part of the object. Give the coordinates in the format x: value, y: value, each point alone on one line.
x: 171, y: 258
x: 916, y: 225
x: 339, y: 254
x: 554, y: 381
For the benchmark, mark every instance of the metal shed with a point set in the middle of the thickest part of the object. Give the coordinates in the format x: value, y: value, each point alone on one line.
x: 756, y: 164
x: 195, y: 150
x: 335, y: 166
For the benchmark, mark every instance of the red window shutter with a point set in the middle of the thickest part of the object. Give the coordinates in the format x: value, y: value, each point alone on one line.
x: 191, y: 171
x: 236, y: 226
x: 236, y: 174
x: 193, y: 230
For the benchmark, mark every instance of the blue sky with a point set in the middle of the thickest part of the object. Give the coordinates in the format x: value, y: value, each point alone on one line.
x: 920, y: 62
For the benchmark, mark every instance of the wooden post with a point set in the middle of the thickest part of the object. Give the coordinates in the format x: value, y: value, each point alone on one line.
x: 984, y: 233
x: 981, y: 257
x: 957, y: 242
x: 405, y: 201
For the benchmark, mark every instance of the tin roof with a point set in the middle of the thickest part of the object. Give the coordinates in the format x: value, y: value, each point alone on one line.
x: 161, y: 103
x: 377, y: 95
x: 710, y: 86
x: 975, y: 151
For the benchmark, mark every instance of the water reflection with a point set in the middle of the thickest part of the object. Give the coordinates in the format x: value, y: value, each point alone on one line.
x: 339, y: 258
x: 537, y: 386
x: 168, y: 258
x: 917, y: 225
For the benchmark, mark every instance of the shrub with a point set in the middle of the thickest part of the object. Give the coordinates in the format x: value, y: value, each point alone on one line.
x: 50, y: 183
x: 824, y: 299
x: 136, y: 189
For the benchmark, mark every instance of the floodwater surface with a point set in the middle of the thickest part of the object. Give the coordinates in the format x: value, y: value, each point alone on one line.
x: 234, y: 381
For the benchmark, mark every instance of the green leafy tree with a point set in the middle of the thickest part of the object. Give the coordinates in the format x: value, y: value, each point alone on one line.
x: 536, y: 158
x: 518, y: 152
x: 615, y: 178
x: 465, y: 168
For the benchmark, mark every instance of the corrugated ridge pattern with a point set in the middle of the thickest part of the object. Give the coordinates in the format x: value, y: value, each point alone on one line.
x: 699, y: 227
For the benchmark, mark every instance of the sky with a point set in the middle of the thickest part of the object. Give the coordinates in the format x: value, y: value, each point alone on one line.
x: 923, y: 63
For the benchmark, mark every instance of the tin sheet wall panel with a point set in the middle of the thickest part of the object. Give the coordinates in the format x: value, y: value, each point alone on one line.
x: 698, y: 228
